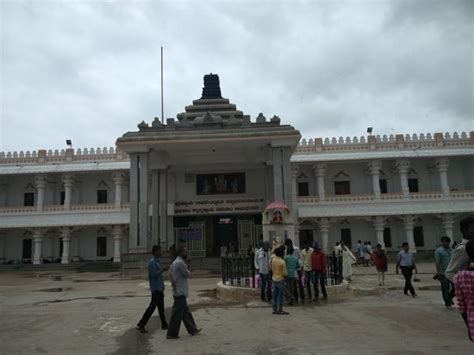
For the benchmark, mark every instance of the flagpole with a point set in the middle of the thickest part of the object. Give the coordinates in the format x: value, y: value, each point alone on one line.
x: 162, y: 109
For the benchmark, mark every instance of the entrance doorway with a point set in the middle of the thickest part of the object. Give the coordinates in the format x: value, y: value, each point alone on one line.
x: 225, y: 234
x: 306, y: 235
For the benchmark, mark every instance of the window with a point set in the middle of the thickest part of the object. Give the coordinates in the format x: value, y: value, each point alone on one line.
x: 29, y: 199
x: 383, y: 186
x: 62, y: 197
x: 418, y: 236
x: 101, y: 196
x: 413, y: 185
x: 303, y: 189
x: 387, y: 237
x: 101, y: 246
x: 346, y: 236
x: 26, y: 254
x: 342, y: 187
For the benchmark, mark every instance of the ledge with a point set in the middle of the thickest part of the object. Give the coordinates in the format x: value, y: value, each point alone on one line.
x: 247, y: 294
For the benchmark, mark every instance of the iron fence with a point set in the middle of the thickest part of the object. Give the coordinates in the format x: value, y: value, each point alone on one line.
x: 239, y: 270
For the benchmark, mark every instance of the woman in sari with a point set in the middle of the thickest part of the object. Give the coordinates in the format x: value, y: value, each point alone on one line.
x: 347, y: 260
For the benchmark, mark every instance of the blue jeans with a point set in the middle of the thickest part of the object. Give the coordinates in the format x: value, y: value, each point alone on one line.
x: 278, y: 290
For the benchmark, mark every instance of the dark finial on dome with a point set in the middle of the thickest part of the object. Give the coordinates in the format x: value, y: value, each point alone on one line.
x: 211, y: 89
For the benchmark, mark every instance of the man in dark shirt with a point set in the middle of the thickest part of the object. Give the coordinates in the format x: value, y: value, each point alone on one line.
x: 157, y: 288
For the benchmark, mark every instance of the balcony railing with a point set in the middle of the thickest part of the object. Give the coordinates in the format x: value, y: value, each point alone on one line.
x: 363, y: 198
x: 61, y: 208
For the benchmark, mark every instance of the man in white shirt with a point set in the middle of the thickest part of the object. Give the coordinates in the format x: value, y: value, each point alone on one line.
x: 306, y: 255
x: 460, y: 260
x: 262, y: 261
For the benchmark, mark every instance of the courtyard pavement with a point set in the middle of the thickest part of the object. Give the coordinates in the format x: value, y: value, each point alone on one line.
x: 95, y: 313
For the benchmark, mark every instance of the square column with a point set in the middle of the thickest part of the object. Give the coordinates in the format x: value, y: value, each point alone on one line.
x: 155, y: 202
x: 163, y: 207
x: 37, y: 246
x: 294, y: 210
x: 277, y: 175
x: 138, y: 240
x: 133, y: 191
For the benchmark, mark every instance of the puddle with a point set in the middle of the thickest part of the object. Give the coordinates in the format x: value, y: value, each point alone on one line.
x: 54, y: 289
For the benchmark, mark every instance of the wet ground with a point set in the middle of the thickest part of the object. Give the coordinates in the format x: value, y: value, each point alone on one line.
x: 95, y: 313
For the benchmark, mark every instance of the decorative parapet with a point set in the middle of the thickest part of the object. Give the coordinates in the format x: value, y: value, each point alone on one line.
x: 60, y: 208
x: 43, y: 156
x: 418, y: 196
x: 385, y: 142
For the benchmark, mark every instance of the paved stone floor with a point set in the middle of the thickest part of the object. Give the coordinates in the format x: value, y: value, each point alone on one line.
x: 95, y: 313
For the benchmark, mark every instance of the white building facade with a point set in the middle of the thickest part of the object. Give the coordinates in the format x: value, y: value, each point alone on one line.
x: 205, y: 179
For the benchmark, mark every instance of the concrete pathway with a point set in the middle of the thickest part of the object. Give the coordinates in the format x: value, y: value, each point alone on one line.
x: 95, y: 313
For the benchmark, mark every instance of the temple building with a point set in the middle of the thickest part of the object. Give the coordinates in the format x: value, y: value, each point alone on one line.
x: 213, y: 178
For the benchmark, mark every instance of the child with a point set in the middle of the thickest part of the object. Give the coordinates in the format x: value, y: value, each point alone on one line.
x: 464, y: 285
x: 380, y: 261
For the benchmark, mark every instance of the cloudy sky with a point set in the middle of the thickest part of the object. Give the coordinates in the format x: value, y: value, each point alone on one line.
x: 90, y: 70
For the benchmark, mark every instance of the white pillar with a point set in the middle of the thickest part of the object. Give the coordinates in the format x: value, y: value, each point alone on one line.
x: 409, y: 225
x: 118, y: 180
x: 379, y: 226
x: 319, y: 171
x: 40, y: 186
x: 117, y: 235
x: 66, y: 237
x: 448, y: 222
x: 67, y: 182
x: 294, y: 205
x: 403, y: 166
x: 442, y: 165
x: 324, y: 224
x: 37, y: 246
x: 374, y: 167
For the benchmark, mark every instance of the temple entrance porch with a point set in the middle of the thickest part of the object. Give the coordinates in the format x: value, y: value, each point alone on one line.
x: 217, y: 235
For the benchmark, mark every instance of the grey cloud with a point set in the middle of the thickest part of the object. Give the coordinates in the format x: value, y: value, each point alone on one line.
x: 90, y: 70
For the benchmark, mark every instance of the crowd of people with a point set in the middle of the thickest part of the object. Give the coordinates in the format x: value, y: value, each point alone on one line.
x: 289, y: 274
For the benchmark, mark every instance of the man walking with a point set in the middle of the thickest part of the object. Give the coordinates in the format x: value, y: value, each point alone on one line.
x: 406, y: 261
x: 157, y: 287
x: 306, y: 255
x: 261, y: 261
x: 319, y: 265
x: 442, y: 259
x: 179, y: 274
